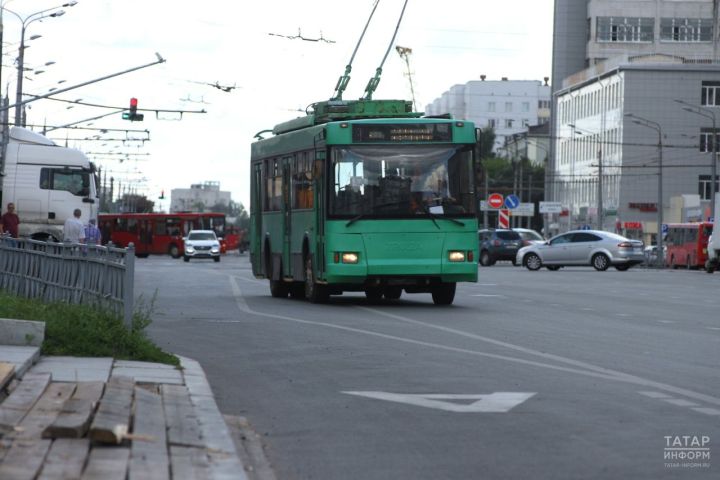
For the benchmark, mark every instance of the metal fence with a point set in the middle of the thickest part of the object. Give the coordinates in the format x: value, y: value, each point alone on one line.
x: 71, y: 273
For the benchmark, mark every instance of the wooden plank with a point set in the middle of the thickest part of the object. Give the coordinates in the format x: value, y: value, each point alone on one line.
x: 72, y: 421
x: 112, y: 421
x: 45, y: 410
x: 189, y: 463
x: 24, y: 460
x: 149, y: 457
x: 22, y: 399
x: 7, y: 371
x: 182, y: 424
x: 107, y: 463
x: 66, y: 459
x: 75, y: 415
x: 91, y: 391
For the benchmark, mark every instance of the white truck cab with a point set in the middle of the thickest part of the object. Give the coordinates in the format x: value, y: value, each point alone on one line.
x: 46, y: 182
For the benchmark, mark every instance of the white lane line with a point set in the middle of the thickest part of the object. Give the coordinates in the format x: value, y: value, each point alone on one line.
x: 655, y: 394
x: 586, y: 368
x: 594, y: 370
x: 713, y: 328
x: 708, y: 411
x: 680, y: 402
x: 486, y: 295
x: 666, y: 321
x: 623, y: 315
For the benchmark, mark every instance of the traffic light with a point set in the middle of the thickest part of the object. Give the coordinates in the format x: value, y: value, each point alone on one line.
x: 132, y: 115
x: 162, y: 195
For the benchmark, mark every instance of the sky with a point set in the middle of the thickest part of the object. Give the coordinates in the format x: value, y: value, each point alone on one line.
x: 244, y: 45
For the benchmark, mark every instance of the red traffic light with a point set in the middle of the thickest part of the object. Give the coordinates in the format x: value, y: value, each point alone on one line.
x: 133, y: 102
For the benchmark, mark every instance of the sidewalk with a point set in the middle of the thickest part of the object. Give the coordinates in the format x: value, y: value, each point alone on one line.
x: 69, y: 417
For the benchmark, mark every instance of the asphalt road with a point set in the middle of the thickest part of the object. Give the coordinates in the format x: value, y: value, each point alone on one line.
x: 595, y: 374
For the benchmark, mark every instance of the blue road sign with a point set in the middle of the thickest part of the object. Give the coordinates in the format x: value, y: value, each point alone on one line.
x: 512, y: 201
x: 664, y: 228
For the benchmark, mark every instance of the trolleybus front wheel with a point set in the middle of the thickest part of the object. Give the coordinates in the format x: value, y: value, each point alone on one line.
x: 444, y: 294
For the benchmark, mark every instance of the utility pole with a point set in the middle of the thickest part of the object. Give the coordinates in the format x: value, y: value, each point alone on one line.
x: 600, y: 212
x: 404, y: 53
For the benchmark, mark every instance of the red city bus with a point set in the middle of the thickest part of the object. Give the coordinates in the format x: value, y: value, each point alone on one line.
x: 687, y: 244
x: 160, y: 233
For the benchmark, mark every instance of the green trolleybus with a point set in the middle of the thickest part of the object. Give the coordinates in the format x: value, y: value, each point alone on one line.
x: 364, y: 196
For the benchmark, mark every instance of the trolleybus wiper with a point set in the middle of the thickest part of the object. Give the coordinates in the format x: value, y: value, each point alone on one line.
x: 355, y: 219
x: 434, y: 216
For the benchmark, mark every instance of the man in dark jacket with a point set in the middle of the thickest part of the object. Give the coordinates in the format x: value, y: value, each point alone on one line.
x: 10, y: 221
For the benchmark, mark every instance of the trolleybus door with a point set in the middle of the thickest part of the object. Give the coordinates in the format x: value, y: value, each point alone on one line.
x: 287, y: 217
x: 319, y: 179
x: 256, y: 218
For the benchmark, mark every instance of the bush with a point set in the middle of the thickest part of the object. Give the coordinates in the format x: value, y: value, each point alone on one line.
x: 85, y: 331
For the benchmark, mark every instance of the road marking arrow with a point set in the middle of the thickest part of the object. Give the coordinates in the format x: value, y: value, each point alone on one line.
x: 498, y: 402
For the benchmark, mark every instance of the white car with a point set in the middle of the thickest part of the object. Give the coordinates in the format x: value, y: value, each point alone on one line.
x: 594, y: 248
x: 202, y: 244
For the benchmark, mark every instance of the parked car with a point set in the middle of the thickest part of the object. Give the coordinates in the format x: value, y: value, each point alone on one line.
x: 651, y: 254
x: 202, y: 244
x: 498, y: 244
x: 529, y: 236
x: 583, y: 247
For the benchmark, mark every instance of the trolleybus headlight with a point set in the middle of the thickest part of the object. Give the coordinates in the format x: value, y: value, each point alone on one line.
x: 456, y: 256
x: 350, y: 257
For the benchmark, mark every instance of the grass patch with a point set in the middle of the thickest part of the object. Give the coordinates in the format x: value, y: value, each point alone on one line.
x: 85, y: 331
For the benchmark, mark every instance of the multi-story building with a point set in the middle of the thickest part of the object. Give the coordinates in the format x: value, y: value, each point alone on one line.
x: 615, y: 122
x: 508, y: 106
x: 589, y: 32
x: 602, y: 52
x: 199, y: 197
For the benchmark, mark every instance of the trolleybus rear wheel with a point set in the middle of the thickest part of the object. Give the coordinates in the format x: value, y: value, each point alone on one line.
x: 392, y: 293
x: 444, y: 294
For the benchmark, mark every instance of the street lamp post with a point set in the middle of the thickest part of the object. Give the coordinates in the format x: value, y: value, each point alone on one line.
x: 655, y: 126
x: 709, y: 114
x: 25, y: 22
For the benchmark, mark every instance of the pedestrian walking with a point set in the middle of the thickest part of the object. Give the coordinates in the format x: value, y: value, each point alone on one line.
x: 92, y: 233
x: 74, y: 230
x: 10, y: 221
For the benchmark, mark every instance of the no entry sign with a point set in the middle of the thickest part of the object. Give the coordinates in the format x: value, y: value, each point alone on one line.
x: 495, y: 200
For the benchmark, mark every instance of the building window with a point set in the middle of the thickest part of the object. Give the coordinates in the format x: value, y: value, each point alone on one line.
x: 543, y: 103
x: 686, y: 29
x: 491, y: 106
x: 492, y: 123
x: 525, y: 122
x: 508, y: 106
x: 508, y: 123
x: 704, y: 187
x: 625, y: 29
x: 525, y: 106
x: 710, y: 94
x: 706, y: 142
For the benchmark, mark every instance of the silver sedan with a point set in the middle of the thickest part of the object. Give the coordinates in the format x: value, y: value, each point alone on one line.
x: 583, y: 247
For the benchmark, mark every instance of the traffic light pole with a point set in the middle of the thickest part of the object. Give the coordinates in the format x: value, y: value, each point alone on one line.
x: 73, y: 87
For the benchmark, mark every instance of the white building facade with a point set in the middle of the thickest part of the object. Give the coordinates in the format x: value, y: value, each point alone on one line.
x: 597, y: 130
x: 199, y: 197
x: 508, y: 106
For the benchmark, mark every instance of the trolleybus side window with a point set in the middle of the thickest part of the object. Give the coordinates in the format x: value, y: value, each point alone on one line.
x: 273, y: 180
x: 302, y: 181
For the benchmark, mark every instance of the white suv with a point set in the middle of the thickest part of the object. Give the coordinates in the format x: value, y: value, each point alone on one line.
x: 202, y: 244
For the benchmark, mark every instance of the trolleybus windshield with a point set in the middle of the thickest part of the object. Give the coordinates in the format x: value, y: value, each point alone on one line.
x: 401, y: 181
